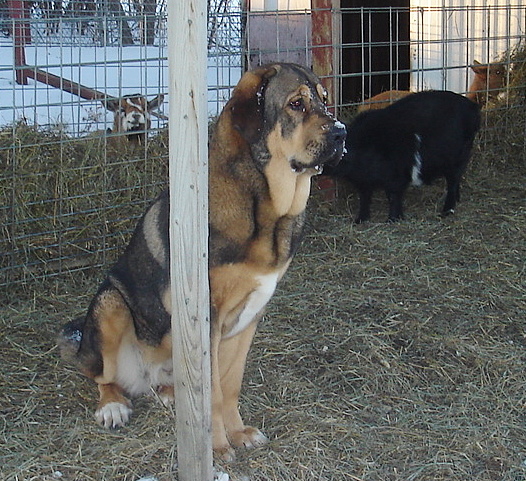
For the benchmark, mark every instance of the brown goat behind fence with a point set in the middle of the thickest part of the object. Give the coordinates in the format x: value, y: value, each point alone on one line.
x: 489, y: 81
x: 132, y: 115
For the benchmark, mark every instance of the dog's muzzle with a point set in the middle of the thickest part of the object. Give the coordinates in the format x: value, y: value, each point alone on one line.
x: 334, y: 147
x: 335, y: 143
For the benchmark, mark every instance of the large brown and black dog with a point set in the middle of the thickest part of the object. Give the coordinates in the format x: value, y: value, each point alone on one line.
x: 273, y: 135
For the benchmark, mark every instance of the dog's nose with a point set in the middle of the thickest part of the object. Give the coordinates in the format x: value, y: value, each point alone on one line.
x: 338, y: 133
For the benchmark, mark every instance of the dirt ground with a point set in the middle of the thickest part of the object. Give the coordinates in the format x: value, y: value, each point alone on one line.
x: 390, y: 352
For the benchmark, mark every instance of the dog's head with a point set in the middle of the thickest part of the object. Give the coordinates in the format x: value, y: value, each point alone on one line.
x: 280, y: 110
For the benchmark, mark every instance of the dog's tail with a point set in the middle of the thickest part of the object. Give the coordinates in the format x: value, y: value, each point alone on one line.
x: 70, y: 338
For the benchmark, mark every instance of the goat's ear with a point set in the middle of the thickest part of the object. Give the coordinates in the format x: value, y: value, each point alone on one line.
x: 478, y: 68
x: 248, y: 102
x: 111, y: 104
x: 155, y: 103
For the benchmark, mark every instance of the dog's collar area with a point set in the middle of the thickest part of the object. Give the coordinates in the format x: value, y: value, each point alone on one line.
x: 298, y: 168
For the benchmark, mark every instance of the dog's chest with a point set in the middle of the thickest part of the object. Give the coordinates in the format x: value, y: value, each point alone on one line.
x: 255, y: 302
x: 141, y: 367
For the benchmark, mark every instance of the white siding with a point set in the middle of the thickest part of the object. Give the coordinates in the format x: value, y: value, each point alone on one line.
x: 447, y: 37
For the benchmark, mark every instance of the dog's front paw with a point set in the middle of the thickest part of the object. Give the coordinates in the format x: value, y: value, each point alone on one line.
x: 249, y: 437
x: 226, y: 454
x: 166, y: 395
x: 113, y: 414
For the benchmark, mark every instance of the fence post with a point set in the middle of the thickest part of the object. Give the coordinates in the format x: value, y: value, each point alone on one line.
x: 325, y: 63
x: 18, y: 11
x: 187, y: 61
x: 323, y: 59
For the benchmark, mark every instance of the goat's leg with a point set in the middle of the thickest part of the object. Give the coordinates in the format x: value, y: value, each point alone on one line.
x: 396, y: 209
x: 453, y: 180
x: 452, y: 194
x: 366, y: 194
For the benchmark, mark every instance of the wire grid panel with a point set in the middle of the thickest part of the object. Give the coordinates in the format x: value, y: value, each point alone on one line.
x: 445, y: 41
x: 428, y: 45
x: 68, y: 195
x: 283, y: 36
x: 70, y: 192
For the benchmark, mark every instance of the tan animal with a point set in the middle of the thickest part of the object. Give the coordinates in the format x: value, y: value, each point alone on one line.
x: 489, y: 80
x: 132, y: 116
x: 383, y: 100
x: 273, y: 135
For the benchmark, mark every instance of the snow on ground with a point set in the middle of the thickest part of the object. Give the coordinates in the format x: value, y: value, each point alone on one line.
x: 115, y: 71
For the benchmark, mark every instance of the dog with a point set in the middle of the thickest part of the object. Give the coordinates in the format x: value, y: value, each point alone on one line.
x: 420, y: 138
x: 273, y: 135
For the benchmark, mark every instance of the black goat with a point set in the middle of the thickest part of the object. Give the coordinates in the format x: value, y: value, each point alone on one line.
x: 416, y: 140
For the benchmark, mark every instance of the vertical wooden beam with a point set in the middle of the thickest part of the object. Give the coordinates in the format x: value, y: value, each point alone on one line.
x: 325, y: 64
x: 187, y: 60
x: 323, y: 58
x: 21, y: 36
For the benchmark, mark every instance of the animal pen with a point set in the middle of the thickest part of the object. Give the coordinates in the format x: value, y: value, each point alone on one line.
x: 391, y: 352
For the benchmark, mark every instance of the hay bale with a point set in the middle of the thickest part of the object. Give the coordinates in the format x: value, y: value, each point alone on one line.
x: 502, y: 137
x: 67, y: 202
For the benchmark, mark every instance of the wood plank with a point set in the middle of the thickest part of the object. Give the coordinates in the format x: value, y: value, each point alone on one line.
x: 187, y: 57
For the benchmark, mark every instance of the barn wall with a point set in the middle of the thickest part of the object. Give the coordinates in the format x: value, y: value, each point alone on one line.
x: 279, y: 36
x: 279, y: 30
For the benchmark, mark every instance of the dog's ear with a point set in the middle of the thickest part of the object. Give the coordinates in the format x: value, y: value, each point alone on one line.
x: 248, y: 102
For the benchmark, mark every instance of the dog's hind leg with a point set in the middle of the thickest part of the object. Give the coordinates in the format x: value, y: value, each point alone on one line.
x: 114, y: 324
x: 166, y: 394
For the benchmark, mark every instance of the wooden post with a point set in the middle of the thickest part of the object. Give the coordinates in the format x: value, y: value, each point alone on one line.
x: 18, y: 11
x: 64, y: 84
x: 187, y: 60
x: 325, y: 65
x: 322, y: 44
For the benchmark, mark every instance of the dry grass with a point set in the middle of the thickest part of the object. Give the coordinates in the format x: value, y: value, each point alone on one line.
x: 66, y: 202
x: 391, y: 352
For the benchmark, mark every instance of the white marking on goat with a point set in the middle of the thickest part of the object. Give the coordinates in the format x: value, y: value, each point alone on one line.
x: 135, y: 117
x: 134, y: 102
x: 416, y: 180
x: 256, y: 301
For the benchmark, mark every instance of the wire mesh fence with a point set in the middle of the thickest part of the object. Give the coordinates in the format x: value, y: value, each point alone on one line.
x: 69, y: 183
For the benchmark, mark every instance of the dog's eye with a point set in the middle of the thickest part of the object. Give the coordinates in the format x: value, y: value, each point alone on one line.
x: 297, y: 104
